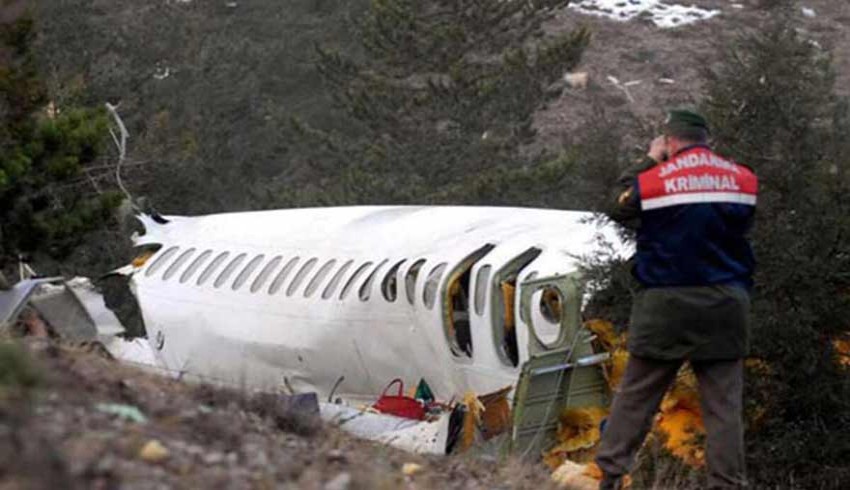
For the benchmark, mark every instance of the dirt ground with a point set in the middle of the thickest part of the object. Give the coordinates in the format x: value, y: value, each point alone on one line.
x: 638, y: 51
x: 53, y: 435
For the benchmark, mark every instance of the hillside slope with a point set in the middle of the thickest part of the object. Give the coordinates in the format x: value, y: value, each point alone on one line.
x: 59, y: 433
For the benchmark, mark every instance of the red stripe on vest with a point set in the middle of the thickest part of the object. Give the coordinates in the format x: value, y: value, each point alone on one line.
x: 697, y: 176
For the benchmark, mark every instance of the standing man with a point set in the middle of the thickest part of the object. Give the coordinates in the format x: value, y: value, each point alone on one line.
x: 692, y: 210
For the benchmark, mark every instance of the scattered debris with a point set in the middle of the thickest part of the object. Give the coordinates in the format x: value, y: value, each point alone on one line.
x: 410, y: 469
x: 153, y: 452
x: 578, y: 433
x: 294, y: 413
x: 51, y: 111
x: 72, y: 310
x: 574, y: 476
x: 496, y: 418
x: 417, y: 436
x: 679, y: 422
x: 399, y: 404
x: 472, y: 418
x: 13, y: 300
x: 842, y: 350
x: 33, y: 324
x: 624, y: 86
x: 577, y: 80
x: 666, y: 81
x: 808, y: 12
x: 336, y: 456
x: 341, y: 481
x: 161, y: 73
x: 128, y: 412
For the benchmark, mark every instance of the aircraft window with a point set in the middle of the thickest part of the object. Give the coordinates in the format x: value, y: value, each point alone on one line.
x: 173, y: 268
x: 228, y: 270
x: 366, y: 288
x: 481, y: 280
x: 208, y: 272
x: 319, y: 277
x: 550, y: 305
x: 335, y: 280
x: 281, y: 276
x: 247, y: 271
x: 410, y: 280
x: 299, y: 278
x: 160, y: 261
x: 389, y: 287
x: 195, y: 265
x: 350, y: 284
x: 264, y: 274
x: 429, y: 294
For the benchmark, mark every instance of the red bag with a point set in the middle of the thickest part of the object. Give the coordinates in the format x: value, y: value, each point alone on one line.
x: 399, y: 405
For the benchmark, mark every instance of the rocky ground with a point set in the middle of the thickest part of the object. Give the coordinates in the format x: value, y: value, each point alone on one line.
x: 59, y: 429
x: 663, y: 67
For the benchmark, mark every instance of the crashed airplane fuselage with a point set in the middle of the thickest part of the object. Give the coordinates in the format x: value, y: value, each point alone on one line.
x: 301, y: 299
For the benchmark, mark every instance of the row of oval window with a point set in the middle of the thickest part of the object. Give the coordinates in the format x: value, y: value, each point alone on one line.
x: 389, y: 284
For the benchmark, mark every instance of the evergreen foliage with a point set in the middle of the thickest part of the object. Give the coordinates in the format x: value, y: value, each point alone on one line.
x: 773, y: 106
x: 46, y: 198
x: 447, y: 89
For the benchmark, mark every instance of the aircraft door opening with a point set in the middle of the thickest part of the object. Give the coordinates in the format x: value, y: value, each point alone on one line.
x: 457, y: 304
x: 504, y: 317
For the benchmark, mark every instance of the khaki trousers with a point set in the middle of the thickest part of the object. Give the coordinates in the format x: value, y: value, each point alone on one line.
x: 643, y: 386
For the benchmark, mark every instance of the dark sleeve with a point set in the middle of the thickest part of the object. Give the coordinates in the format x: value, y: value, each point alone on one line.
x: 625, y: 199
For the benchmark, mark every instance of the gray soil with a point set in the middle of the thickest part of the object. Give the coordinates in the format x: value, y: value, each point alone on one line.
x: 639, y: 51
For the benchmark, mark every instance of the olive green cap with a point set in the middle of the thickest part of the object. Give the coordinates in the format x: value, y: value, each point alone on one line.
x: 684, y: 120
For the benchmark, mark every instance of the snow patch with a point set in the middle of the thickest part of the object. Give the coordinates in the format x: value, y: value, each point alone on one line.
x: 664, y: 15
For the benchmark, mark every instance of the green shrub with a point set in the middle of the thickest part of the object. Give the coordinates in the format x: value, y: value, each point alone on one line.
x: 18, y: 372
x: 48, y: 199
x: 446, y: 90
x: 773, y: 106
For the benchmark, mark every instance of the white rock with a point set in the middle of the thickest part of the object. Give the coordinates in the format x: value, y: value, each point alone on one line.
x: 577, y: 80
x: 341, y: 481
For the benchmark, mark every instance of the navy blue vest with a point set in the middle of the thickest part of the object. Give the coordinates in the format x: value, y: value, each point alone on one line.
x: 696, y: 209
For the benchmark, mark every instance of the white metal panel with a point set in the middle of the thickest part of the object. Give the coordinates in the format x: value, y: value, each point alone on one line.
x: 266, y: 341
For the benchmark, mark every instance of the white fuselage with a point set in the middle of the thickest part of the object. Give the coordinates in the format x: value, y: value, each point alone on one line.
x: 352, y: 305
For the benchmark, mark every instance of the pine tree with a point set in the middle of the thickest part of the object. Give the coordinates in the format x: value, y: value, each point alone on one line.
x: 439, y: 103
x: 773, y: 106
x: 47, y: 200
